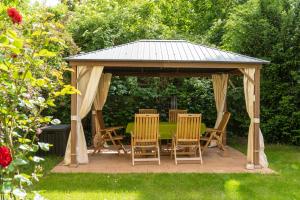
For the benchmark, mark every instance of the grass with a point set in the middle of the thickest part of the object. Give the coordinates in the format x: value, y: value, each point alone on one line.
x: 283, y: 185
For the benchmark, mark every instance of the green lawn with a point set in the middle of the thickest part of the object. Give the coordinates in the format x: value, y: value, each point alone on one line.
x: 284, y: 185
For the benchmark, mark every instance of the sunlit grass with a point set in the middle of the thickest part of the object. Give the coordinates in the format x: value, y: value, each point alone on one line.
x: 283, y: 185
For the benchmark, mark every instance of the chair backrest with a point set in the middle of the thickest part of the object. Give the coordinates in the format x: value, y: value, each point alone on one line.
x: 147, y: 111
x: 188, y: 127
x: 224, y: 121
x: 146, y: 127
x: 173, y: 114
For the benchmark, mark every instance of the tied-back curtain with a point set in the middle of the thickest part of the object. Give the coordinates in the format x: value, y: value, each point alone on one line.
x: 220, y: 92
x: 101, y: 95
x: 87, y: 84
x: 250, y: 98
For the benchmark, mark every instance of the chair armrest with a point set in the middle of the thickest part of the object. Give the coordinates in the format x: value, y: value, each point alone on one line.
x: 114, y: 128
x: 132, y: 134
x: 212, y: 130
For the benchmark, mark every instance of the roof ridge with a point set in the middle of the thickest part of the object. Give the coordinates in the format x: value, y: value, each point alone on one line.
x: 231, y: 52
x: 158, y: 40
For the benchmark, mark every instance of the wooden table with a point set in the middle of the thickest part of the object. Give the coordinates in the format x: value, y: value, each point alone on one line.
x: 166, y: 129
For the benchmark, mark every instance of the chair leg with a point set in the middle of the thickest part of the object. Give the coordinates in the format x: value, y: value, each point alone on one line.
x: 207, y: 143
x: 200, y: 154
x: 172, y: 149
x: 132, y: 154
x: 158, y: 154
x: 175, y: 156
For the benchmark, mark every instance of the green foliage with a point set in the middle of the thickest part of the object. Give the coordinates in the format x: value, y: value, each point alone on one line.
x: 270, y: 29
x: 31, y: 78
x: 266, y: 29
x: 127, y: 95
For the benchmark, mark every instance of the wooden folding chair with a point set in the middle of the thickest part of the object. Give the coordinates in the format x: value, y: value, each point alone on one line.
x: 173, y: 114
x: 144, y: 138
x: 187, y: 137
x: 147, y: 111
x: 216, y: 134
x: 107, y: 135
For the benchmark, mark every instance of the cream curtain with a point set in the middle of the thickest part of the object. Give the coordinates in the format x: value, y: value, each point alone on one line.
x: 101, y: 95
x: 220, y: 91
x: 88, y: 81
x: 250, y: 98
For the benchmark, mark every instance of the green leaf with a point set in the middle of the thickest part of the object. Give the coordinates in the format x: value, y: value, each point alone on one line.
x: 50, y: 102
x: 44, y: 146
x: 23, y: 178
x: 10, y: 168
x: 4, y: 39
x: 3, y: 67
x: 6, y: 187
x: 19, y: 161
x: 40, y: 82
x: 45, y: 53
x: 12, y: 34
x: 25, y: 147
x: 15, y: 50
x: 37, y: 159
x: 24, y: 140
x: 35, y: 148
x: 18, y: 43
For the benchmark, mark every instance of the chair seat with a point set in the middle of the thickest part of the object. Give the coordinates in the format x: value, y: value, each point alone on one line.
x: 204, y: 138
x: 119, y: 137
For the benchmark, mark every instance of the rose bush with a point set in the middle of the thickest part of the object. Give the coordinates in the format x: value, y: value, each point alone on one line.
x: 33, y: 42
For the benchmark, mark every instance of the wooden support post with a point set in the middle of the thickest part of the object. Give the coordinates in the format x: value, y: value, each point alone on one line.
x: 256, y: 108
x: 74, y: 118
x: 100, y: 119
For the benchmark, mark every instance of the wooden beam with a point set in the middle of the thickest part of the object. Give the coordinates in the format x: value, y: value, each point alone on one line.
x: 74, y: 162
x: 171, y: 74
x: 256, y: 108
x: 159, y: 64
x: 245, y: 74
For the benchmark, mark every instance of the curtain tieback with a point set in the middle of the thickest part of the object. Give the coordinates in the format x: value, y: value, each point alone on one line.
x: 256, y: 120
x: 75, y: 118
x: 94, y: 112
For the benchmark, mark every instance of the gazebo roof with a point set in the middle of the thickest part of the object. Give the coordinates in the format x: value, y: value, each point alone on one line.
x: 165, y: 51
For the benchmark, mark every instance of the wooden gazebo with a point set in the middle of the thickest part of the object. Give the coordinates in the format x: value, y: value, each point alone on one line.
x: 176, y: 58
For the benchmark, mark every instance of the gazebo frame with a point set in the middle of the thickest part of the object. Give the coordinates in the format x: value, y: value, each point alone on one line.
x: 170, y: 69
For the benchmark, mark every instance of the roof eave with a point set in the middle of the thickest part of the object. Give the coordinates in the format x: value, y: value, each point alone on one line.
x: 164, y: 61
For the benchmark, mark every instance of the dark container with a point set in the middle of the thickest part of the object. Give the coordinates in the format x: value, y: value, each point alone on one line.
x: 57, y: 135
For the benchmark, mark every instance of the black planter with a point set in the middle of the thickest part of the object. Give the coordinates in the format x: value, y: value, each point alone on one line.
x: 57, y: 135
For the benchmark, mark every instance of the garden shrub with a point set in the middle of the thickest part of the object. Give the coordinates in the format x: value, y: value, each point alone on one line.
x: 32, y: 45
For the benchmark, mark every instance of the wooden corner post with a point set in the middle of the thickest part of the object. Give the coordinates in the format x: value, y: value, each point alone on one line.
x: 74, y: 118
x: 256, y: 108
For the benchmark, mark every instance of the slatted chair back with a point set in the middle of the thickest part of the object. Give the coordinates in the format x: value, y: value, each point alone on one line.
x: 147, y: 111
x: 173, y: 114
x: 146, y: 127
x: 224, y: 121
x: 188, y: 127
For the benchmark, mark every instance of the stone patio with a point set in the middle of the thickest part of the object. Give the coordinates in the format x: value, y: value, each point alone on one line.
x: 214, y: 161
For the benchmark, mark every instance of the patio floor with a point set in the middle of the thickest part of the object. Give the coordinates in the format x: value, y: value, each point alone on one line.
x: 214, y: 161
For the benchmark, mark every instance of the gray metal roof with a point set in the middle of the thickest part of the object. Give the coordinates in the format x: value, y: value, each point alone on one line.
x: 165, y: 51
